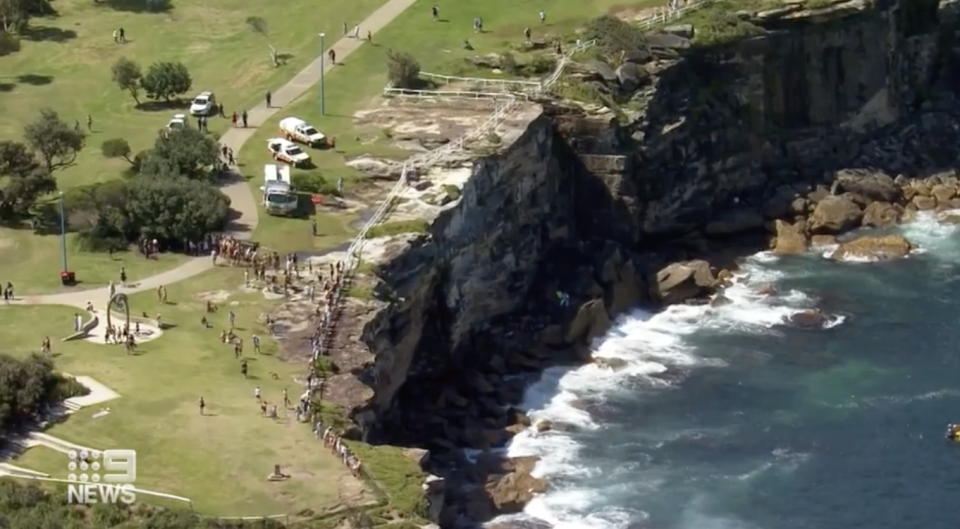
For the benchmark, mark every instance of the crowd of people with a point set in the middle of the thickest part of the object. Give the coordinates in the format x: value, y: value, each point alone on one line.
x: 332, y: 440
x: 326, y: 314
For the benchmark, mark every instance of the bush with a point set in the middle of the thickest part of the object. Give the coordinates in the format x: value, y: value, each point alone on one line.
x: 8, y: 44
x: 508, y: 63
x: 540, y: 65
x: 114, y: 214
x: 717, y: 27
x: 166, y: 80
x: 314, y: 183
x: 614, y: 35
x: 188, y: 153
x: 29, y: 387
x: 403, y: 71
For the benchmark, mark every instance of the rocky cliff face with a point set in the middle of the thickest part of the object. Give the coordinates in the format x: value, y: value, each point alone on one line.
x: 592, y: 212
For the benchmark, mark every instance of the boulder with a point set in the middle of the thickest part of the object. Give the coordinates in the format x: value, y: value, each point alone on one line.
x: 881, y: 215
x: 791, y: 238
x: 808, y: 319
x: 612, y: 363
x: 631, y: 76
x: 835, y: 215
x: 591, y: 321
x: 734, y: 221
x: 943, y: 193
x: 680, y: 30
x: 510, y: 493
x: 820, y: 241
x: 924, y: 202
x: 543, y: 425
x: 766, y: 289
x: 872, y: 185
x: 724, y: 278
x: 949, y: 219
x: 874, y: 248
x: 681, y: 281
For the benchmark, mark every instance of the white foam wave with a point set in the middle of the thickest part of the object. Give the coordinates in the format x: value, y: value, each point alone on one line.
x: 894, y: 400
x: 648, y: 344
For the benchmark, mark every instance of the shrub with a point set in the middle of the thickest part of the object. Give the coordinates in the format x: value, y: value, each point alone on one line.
x: 403, y: 70
x: 314, y: 182
x: 540, y: 64
x: 398, y: 227
x: 509, y: 64
x: 166, y: 80
x: 29, y: 387
x: 614, y: 35
x: 8, y: 44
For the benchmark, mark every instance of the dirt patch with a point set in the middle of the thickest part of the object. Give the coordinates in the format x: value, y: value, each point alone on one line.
x: 633, y: 13
x: 214, y: 296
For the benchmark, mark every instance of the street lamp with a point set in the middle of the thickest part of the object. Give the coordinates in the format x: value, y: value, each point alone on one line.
x: 322, y: 110
x: 63, y: 236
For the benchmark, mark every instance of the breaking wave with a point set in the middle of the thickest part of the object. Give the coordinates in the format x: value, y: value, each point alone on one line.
x: 650, y: 346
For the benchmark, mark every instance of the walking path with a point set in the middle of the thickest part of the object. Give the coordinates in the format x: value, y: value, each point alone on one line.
x: 242, y: 200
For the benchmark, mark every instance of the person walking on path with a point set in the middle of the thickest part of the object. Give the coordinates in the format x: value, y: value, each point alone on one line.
x: 244, y: 118
x: 333, y: 56
x: 269, y: 99
x: 234, y: 119
x: 220, y: 110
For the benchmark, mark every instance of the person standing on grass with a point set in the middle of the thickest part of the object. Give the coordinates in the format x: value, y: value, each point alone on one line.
x: 243, y: 368
x: 435, y: 11
x: 89, y: 122
x: 234, y: 119
x: 203, y: 405
x: 123, y: 276
x: 123, y: 36
x: 256, y: 393
x: 256, y: 343
x: 543, y: 18
x: 220, y: 110
x: 526, y: 34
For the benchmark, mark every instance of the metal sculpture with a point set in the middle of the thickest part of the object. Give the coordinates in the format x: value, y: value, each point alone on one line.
x: 121, y: 302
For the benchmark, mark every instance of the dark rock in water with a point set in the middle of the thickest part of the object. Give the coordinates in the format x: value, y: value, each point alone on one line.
x: 808, y: 319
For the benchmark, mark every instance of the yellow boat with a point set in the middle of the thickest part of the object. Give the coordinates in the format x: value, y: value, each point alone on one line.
x: 953, y: 433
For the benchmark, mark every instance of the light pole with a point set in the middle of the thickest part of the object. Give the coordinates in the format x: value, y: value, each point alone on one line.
x: 63, y: 236
x: 322, y: 53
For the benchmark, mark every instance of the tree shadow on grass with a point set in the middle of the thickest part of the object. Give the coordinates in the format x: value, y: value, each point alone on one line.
x: 283, y: 58
x: 7, y: 87
x: 34, y: 79
x: 138, y: 6
x: 160, y: 106
x: 48, y: 34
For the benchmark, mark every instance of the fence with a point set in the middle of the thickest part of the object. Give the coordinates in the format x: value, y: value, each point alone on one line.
x: 355, y: 250
x: 504, y: 85
x: 391, y: 91
x: 665, y: 14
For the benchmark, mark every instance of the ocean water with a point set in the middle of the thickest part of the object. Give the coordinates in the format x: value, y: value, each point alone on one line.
x: 726, y: 419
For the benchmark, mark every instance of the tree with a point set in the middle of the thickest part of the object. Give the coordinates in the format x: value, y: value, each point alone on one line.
x: 8, y: 43
x: 127, y: 76
x: 260, y: 27
x: 117, y: 148
x: 403, y: 71
x: 175, y: 209
x: 165, y: 80
x: 27, y: 388
x: 54, y: 140
x: 26, y: 181
x: 187, y: 152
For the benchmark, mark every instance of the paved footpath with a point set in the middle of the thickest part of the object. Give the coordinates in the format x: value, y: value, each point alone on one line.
x: 242, y: 200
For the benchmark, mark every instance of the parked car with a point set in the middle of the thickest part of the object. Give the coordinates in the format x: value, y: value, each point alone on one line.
x: 177, y: 122
x: 203, y: 104
x: 296, y: 129
x: 286, y: 151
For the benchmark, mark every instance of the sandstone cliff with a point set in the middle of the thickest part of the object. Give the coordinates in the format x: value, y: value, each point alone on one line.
x: 594, y: 211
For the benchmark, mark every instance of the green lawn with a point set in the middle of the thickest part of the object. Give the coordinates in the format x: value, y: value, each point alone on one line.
x: 65, y: 64
x: 220, y: 460
x: 32, y: 263
x: 69, y: 71
x: 356, y: 84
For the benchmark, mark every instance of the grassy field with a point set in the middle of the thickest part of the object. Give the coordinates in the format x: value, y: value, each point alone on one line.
x: 32, y: 263
x: 65, y: 65
x: 357, y: 82
x: 219, y: 460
